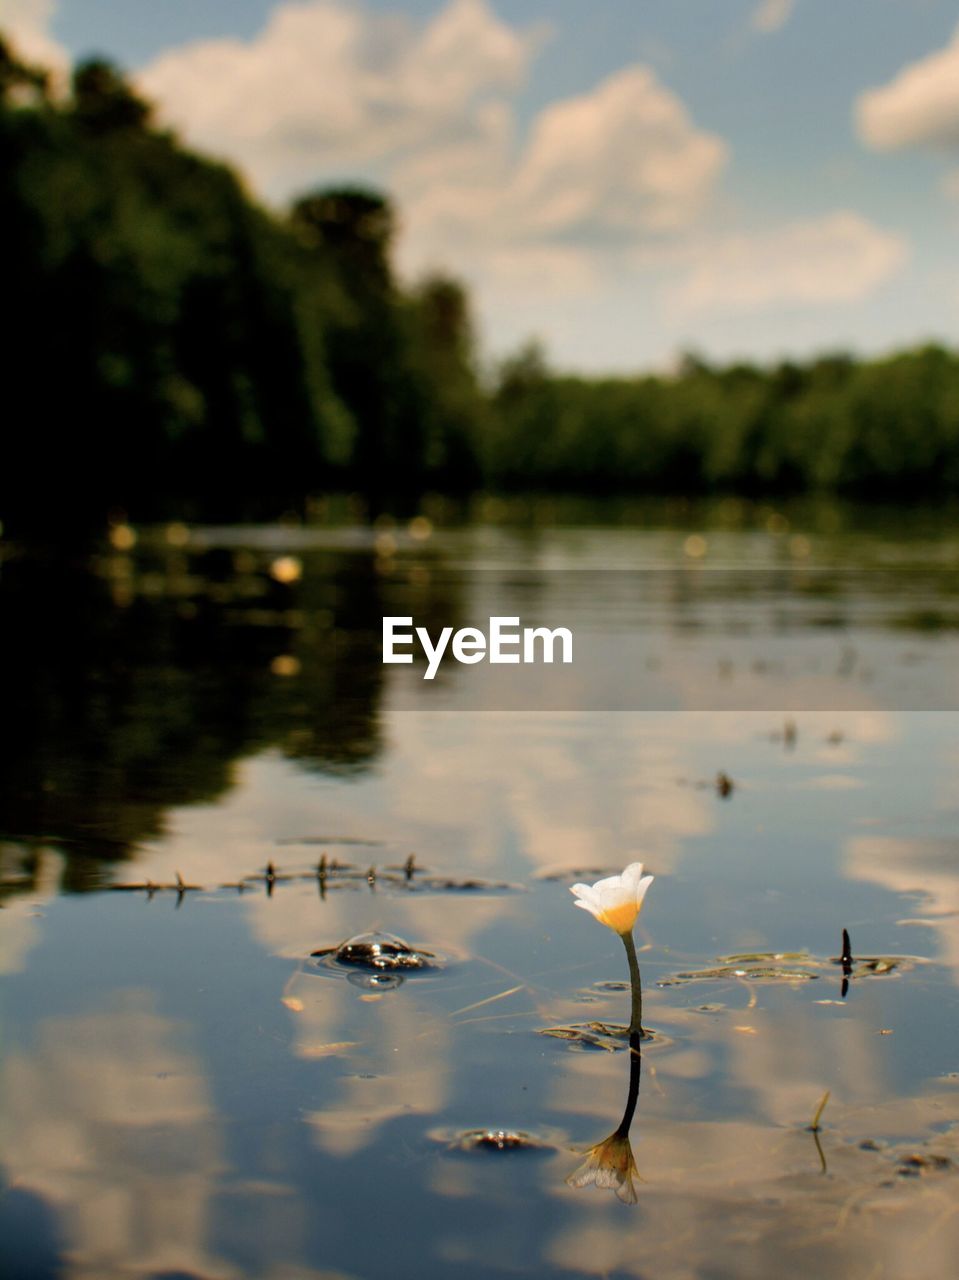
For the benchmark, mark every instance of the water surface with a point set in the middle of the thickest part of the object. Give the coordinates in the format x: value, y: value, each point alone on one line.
x: 189, y: 1091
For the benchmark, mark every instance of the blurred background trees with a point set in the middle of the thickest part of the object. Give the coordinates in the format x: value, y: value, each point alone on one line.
x: 175, y: 350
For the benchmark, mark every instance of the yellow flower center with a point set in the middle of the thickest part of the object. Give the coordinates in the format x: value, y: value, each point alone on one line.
x: 622, y: 917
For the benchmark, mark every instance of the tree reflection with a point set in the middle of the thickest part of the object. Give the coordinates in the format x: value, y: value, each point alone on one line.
x: 131, y: 685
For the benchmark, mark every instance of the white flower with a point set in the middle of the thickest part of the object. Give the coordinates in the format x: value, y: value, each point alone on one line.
x: 616, y: 901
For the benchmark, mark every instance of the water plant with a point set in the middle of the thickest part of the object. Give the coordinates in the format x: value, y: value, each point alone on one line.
x: 616, y: 902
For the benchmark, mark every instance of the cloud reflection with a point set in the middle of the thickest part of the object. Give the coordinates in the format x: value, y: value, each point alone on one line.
x: 110, y: 1119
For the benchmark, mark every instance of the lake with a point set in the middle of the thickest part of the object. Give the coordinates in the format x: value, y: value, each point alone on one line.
x: 209, y: 776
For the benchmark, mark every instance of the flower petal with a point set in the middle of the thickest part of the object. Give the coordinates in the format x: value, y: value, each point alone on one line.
x: 633, y: 873
x: 611, y: 882
x: 586, y: 892
x: 626, y: 1192
x: 587, y: 906
x: 642, y: 889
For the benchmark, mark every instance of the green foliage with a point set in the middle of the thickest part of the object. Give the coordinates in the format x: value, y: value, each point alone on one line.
x: 452, y: 412
x: 880, y: 429
x: 175, y: 349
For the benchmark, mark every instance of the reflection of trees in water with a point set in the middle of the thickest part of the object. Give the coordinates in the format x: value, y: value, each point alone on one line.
x: 133, y: 685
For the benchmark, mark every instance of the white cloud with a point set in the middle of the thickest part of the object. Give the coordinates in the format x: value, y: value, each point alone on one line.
x: 546, y: 273
x: 600, y: 173
x: 920, y: 105
x: 838, y: 258
x: 773, y: 14
x: 624, y: 158
x: 27, y: 23
x: 328, y: 91
x: 326, y: 86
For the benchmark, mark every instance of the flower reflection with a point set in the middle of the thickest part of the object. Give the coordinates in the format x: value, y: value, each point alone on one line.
x: 609, y: 1165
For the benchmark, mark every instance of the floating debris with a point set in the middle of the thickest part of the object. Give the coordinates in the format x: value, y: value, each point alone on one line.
x: 494, y: 1142
x: 879, y: 966
x: 409, y: 868
x: 378, y: 956
x: 724, y: 785
x: 721, y: 783
x: 330, y: 873
x: 846, y: 961
x: 780, y: 966
x: 915, y: 1166
x: 869, y: 966
x: 442, y: 884
x: 380, y: 951
x: 179, y: 887
x: 573, y: 873
x: 270, y: 877
x: 788, y: 735
x: 794, y: 967
x: 608, y: 1036
x: 409, y: 877
x: 335, y: 866
x: 334, y: 1049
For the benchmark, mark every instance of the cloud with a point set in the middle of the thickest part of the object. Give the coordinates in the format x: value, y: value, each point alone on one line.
x: 838, y: 258
x: 919, y: 106
x: 27, y: 23
x: 600, y: 173
x: 86, y: 1099
x: 328, y: 91
x: 624, y: 158
x: 328, y: 87
x: 773, y: 14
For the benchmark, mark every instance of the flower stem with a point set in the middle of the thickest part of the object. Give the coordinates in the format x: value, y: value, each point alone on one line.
x: 632, y: 1097
x: 636, y: 989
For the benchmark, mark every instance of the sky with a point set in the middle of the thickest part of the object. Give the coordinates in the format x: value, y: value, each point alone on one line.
x: 625, y: 180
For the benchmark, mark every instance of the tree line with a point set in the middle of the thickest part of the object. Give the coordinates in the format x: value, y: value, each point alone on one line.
x: 175, y: 349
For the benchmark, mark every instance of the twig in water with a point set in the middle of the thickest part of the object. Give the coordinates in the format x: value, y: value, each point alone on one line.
x: 814, y: 1127
x: 489, y: 1000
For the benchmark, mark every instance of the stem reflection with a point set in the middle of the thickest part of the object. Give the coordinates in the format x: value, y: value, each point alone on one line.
x: 610, y: 1164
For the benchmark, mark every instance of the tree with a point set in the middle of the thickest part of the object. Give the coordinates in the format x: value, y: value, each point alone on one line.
x: 442, y: 352
x: 347, y: 234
